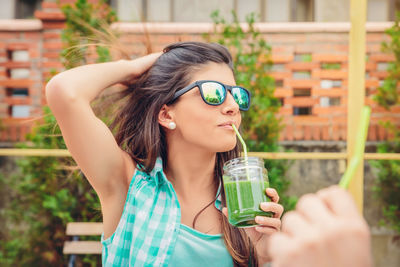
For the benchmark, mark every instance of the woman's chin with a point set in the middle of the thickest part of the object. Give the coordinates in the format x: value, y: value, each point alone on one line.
x: 226, y: 147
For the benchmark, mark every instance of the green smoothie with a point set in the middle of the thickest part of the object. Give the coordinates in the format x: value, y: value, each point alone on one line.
x: 243, y: 199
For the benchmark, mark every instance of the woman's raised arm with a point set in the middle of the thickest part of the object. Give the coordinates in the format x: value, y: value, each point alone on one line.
x: 89, y: 140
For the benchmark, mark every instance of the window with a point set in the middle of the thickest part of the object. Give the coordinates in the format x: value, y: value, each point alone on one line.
x: 302, y: 111
x: 25, y: 9
x: 200, y: 10
x: 302, y: 10
x: 303, y: 92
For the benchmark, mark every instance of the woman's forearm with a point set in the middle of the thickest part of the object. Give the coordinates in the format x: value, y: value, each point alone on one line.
x: 88, y: 81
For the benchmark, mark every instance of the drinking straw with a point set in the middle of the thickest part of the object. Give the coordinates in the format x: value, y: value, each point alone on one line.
x: 359, y: 149
x: 244, y: 149
x: 241, y: 141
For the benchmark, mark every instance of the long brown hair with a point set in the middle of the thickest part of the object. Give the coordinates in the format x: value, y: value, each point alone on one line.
x: 139, y: 133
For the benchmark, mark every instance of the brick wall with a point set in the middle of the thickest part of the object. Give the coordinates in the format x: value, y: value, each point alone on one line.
x: 310, y: 69
x: 20, y: 77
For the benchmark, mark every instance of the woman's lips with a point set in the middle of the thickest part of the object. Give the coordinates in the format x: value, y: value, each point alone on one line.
x: 227, y: 125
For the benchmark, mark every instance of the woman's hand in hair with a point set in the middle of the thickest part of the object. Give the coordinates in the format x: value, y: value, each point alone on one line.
x: 259, y: 235
x: 326, y: 229
x: 139, y: 66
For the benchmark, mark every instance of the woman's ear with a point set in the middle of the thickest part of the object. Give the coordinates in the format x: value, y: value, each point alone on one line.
x: 165, y: 116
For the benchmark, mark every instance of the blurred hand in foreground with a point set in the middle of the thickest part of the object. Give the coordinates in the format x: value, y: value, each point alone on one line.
x: 326, y: 230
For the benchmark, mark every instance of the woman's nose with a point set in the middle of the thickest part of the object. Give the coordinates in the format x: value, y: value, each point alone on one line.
x: 230, y: 105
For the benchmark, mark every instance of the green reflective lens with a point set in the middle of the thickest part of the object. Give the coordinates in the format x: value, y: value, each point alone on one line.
x: 241, y: 97
x: 213, y: 93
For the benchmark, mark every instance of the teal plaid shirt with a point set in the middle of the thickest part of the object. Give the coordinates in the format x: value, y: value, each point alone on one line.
x: 148, y: 229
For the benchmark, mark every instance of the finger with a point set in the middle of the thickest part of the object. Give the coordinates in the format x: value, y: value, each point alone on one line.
x: 225, y: 211
x: 339, y: 202
x: 266, y: 230
x: 294, y: 224
x: 145, y: 62
x: 271, y: 192
x: 270, y: 222
x: 153, y: 56
x: 148, y: 59
x: 277, y: 209
x: 313, y: 209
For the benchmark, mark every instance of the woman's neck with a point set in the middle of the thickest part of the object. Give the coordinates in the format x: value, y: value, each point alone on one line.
x: 191, y: 172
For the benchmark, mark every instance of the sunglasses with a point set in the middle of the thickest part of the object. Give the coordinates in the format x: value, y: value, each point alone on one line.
x: 214, y: 93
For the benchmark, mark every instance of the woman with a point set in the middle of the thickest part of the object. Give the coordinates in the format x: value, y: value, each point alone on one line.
x: 159, y: 178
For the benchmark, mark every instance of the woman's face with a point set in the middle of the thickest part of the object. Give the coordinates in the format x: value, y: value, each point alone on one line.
x: 206, y: 126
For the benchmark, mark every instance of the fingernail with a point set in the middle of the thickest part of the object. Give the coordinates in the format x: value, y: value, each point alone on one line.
x: 259, y: 219
x: 264, y: 205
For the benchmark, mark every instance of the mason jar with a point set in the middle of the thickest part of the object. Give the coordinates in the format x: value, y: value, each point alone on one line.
x: 245, y: 182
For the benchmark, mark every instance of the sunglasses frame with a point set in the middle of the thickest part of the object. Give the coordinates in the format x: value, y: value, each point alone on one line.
x: 200, y: 82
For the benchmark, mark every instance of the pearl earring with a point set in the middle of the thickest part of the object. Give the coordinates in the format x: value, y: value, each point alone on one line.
x: 172, y: 125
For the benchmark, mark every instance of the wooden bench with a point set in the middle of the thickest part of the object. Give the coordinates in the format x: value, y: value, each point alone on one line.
x: 76, y: 247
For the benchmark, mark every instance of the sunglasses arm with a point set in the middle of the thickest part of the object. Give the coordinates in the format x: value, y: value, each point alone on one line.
x: 184, y: 90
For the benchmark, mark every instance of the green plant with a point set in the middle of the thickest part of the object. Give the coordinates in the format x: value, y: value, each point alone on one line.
x: 43, y: 197
x: 261, y: 125
x: 87, y: 26
x: 388, y: 183
x: 331, y: 66
x: 49, y: 192
x: 305, y: 58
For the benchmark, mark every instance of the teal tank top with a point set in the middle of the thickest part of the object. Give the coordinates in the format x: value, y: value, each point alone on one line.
x: 196, y: 249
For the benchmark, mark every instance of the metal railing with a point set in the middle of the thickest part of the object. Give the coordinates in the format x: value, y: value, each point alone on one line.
x: 11, y: 152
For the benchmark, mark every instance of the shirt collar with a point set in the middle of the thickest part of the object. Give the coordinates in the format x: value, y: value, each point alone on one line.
x: 156, y: 174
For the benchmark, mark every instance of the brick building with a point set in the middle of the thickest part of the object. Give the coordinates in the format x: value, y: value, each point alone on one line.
x: 310, y: 69
x: 199, y: 10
